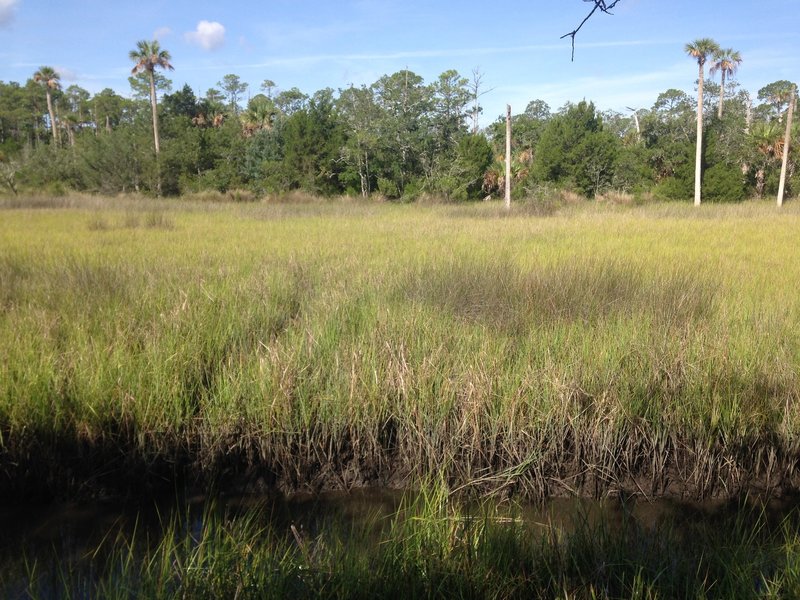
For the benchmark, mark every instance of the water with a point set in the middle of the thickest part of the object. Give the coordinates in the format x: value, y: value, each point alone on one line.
x: 40, y: 542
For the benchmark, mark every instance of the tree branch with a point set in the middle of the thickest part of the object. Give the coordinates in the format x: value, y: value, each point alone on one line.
x: 602, y: 5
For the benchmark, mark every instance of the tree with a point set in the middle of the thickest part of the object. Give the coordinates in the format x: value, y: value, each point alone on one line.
x: 313, y: 139
x: 575, y: 151
x: 147, y: 57
x: 700, y: 50
x: 290, y: 101
x: 449, y: 99
x: 405, y: 107
x: 267, y: 86
x: 359, y: 114
x: 181, y: 103
x: 47, y: 77
x: 107, y: 108
x: 727, y: 62
x: 234, y: 87
x: 259, y: 116
x: 77, y: 102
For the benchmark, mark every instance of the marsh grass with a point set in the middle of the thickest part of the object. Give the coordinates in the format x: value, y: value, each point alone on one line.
x: 499, y: 293
x: 434, y: 546
x: 326, y: 345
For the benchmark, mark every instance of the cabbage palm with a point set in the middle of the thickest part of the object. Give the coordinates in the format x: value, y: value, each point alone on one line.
x: 727, y: 62
x: 147, y: 57
x: 48, y: 77
x: 700, y: 50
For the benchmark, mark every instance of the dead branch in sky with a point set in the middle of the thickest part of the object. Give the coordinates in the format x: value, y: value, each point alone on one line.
x: 601, y: 5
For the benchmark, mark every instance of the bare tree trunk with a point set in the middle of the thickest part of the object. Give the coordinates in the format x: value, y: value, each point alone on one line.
x: 508, y: 157
x: 638, y: 128
x: 721, y: 94
x: 154, y: 107
x: 53, y: 126
x: 698, y: 157
x: 475, y: 89
x: 785, y: 162
x: 748, y: 117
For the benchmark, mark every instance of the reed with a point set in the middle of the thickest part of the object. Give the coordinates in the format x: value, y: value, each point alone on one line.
x: 321, y: 345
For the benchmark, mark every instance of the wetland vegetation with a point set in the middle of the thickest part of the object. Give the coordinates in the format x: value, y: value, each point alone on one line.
x: 597, y: 351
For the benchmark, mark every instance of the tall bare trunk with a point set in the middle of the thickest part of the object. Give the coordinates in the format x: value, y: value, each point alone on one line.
x: 53, y: 126
x: 785, y: 163
x: 721, y: 94
x: 698, y: 158
x: 508, y: 157
x: 748, y: 116
x: 154, y: 107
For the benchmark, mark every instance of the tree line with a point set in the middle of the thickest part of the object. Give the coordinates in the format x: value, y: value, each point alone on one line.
x: 400, y: 137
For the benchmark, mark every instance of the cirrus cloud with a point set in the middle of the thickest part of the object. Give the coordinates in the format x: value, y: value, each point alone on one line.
x: 161, y: 33
x: 209, y: 35
x: 7, y: 8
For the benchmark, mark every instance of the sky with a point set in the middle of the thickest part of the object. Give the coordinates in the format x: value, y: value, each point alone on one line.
x: 621, y: 60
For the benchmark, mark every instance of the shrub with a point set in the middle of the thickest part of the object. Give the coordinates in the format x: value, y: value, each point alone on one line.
x: 723, y: 183
x: 674, y: 188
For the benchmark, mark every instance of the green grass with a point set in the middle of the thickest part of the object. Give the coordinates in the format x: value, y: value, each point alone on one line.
x: 334, y: 344
x: 435, y: 548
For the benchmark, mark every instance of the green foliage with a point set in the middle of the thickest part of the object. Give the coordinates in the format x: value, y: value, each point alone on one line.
x: 574, y: 151
x: 723, y: 183
x: 399, y: 136
x: 312, y: 138
x: 233, y: 87
x: 474, y: 156
x: 182, y: 103
x: 676, y: 187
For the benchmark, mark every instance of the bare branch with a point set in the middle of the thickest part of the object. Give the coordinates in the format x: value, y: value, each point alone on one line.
x: 602, y: 5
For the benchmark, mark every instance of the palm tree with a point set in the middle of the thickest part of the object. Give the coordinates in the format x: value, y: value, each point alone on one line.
x: 259, y: 116
x: 727, y: 62
x: 700, y: 50
x: 767, y: 140
x: 48, y: 77
x: 148, y: 56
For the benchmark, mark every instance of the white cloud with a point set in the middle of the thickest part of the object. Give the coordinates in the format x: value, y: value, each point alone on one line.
x: 7, y: 9
x: 66, y: 74
x: 209, y: 35
x: 161, y: 33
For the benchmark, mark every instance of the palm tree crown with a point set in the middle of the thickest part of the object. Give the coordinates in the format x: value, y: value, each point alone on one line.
x: 701, y: 49
x: 727, y: 62
x: 148, y: 56
x: 48, y: 77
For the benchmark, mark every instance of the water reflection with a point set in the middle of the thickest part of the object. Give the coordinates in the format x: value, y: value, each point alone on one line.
x: 39, y: 542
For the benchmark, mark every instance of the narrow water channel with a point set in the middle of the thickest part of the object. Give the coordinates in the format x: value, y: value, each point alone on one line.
x: 43, y: 547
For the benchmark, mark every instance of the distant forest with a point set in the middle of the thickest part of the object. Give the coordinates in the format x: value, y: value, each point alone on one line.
x: 400, y: 138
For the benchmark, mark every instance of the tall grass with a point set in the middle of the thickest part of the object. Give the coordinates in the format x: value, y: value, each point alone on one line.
x: 433, y: 547
x: 313, y: 346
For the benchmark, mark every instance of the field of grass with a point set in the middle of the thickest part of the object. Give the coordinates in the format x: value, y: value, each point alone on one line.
x: 650, y: 349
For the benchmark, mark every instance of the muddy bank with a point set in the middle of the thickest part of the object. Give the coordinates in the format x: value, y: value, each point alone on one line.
x: 130, y: 464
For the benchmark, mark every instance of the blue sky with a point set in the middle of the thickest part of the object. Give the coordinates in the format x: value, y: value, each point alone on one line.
x: 622, y: 60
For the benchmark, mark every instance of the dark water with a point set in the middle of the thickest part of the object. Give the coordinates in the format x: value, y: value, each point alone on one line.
x: 38, y: 541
